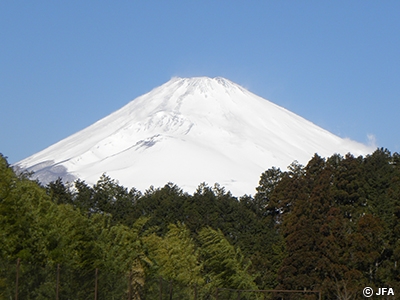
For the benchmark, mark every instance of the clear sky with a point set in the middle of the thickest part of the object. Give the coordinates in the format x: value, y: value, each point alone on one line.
x: 66, y: 64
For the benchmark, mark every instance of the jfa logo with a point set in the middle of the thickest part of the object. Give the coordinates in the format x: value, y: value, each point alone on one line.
x: 368, y: 292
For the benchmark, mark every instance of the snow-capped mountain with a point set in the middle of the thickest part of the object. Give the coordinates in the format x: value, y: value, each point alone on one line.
x: 189, y: 131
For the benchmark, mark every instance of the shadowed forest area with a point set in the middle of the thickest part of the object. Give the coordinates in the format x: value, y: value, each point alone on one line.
x: 331, y: 226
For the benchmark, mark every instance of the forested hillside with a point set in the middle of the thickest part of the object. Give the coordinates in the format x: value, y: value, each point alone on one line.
x: 332, y: 225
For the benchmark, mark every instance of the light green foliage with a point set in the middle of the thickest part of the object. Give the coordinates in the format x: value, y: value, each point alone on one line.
x: 25, y: 223
x: 25, y: 211
x: 224, y: 265
x: 176, y: 257
x: 122, y: 251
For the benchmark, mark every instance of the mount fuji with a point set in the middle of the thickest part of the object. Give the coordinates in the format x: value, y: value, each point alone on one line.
x: 189, y: 131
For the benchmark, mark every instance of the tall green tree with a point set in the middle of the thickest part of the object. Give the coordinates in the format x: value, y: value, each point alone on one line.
x: 224, y: 265
x: 177, y: 259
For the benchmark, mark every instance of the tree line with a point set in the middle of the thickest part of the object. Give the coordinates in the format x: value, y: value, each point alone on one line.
x: 332, y: 225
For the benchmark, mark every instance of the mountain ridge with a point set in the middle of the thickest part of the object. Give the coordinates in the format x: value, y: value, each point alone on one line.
x: 188, y: 131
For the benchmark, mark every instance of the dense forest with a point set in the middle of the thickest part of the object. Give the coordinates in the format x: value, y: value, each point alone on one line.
x: 331, y: 226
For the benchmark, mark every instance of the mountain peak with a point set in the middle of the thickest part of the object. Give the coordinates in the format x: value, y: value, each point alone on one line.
x: 204, y: 83
x: 203, y: 80
x: 188, y: 131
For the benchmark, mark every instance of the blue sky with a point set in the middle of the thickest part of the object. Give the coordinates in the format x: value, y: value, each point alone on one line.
x: 66, y: 64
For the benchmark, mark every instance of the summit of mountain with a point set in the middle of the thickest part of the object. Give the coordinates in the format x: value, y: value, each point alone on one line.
x: 188, y: 131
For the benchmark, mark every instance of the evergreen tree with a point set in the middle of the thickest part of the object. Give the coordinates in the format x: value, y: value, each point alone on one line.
x: 224, y: 265
x: 58, y: 192
x: 177, y: 259
x: 268, y: 181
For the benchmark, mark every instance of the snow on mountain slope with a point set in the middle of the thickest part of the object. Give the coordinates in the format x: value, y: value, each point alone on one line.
x: 188, y: 131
